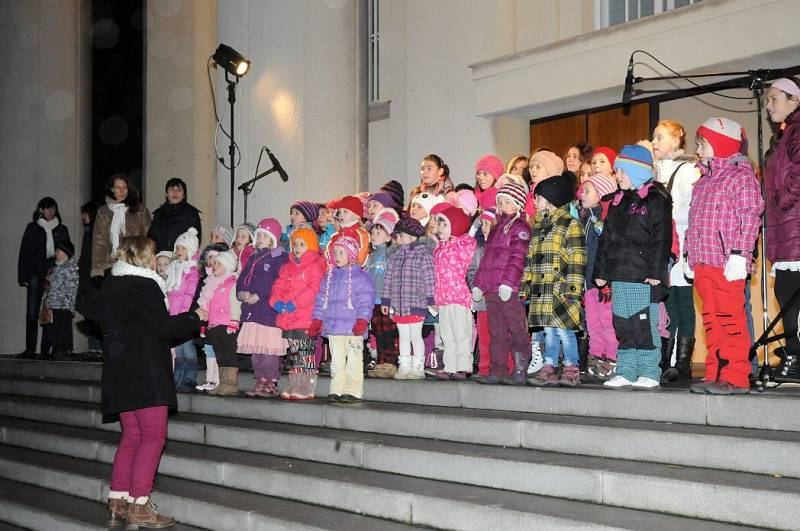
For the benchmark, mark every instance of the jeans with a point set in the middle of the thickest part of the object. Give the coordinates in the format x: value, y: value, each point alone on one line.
x: 554, y: 340
x: 144, y: 433
x: 35, y: 291
x: 185, y: 371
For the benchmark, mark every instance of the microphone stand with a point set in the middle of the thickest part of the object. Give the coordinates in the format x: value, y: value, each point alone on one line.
x: 247, y: 187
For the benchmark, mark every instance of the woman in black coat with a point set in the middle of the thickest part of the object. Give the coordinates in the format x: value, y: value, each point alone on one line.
x: 36, y: 257
x: 173, y: 217
x: 137, y: 382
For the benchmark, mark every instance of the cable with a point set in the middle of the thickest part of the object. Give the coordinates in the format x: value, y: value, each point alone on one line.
x: 219, y: 126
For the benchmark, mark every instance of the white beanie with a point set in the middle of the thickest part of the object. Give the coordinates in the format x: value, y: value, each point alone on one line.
x: 189, y: 240
x: 427, y: 201
x: 228, y: 259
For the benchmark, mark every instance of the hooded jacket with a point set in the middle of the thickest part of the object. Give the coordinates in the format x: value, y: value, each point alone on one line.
x: 782, y: 183
x: 258, y: 277
x: 298, y: 282
x: 345, y: 296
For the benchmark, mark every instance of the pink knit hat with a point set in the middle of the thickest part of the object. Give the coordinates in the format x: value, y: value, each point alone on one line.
x: 604, y: 184
x: 350, y: 247
x: 271, y: 227
x: 489, y: 215
x: 465, y: 200
x: 786, y: 85
x: 386, y: 218
x: 491, y: 165
x: 487, y: 199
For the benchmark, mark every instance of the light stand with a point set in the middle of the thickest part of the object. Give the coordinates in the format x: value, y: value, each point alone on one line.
x: 232, y: 82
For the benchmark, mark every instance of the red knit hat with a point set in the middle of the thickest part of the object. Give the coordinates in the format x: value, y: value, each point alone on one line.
x: 610, y: 154
x: 491, y: 165
x: 725, y: 136
x: 351, y: 203
x: 459, y: 221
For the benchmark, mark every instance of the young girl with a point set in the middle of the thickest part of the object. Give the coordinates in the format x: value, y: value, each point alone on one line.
x: 585, y: 172
x: 487, y: 170
x: 293, y: 295
x: 434, y: 177
x: 487, y: 220
x: 182, y: 280
x: 327, y: 227
x: 421, y: 206
x: 242, y: 245
x: 498, y: 280
x: 451, y: 260
x: 224, y: 311
x: 349, y: 211
x: 59, y: 301
x: 407, y: 295
x: 301, y: 214
x: 208, y: 284
x: 163, y: 261
x: 603, y: 161
x: 677, y: 173
x: 632, y: 256
x: 553, y: 281
x: 383, y: 328
x: 222, y: 234
x: 259, y: 336
x: 341, y: 312
x: 518, y: 165
x: 724, y: 221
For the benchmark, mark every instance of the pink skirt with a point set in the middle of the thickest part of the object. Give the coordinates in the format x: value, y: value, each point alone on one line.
x: 260, y: 339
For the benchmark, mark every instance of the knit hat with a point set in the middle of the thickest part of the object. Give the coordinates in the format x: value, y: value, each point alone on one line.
x: 271, y: 227
x: 637, y: 163
x: 165, y: 254
x: 228, y: 259
x: 189, y: 240
x: 225, y: 231
x: 487, y: 199
x: 603, y: 183
x: 491, y: 165
x: 307, y: 235
x: 384, y: 199
x: 427, y: 201
x: 394, y: 189
x: 510, y: 178
x: 610, y: 154
x: 558, y: 190
x: 725, y: 136
x: 551, y: 162
x: 351, y: 203
x: 65, y: 245
x: 386, y: 218
x: 350, y: 247
x: 458, y: 220
x: 465, y: 200
x: 309, y: 210
x: 251, y: 230
x: 514, y: 192
x: 489, y: 215
x: 409, y: 226
x: 786, y: 85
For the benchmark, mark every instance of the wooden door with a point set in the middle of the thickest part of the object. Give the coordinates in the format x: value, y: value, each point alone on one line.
x: 559, y: 134
x: 614, y: 129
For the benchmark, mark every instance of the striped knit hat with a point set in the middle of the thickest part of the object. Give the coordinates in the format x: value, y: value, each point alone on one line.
x: 350, y: 247
x: 637, y: 163
x: 725, y: 136
x: 394, y: 189
x: 603, y: 183
x: 514, y: 192
x: 309, y: 210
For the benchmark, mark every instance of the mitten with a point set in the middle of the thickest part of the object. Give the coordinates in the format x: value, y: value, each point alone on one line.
x: 360, y: 327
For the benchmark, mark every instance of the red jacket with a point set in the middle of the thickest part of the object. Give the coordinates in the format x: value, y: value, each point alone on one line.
x: 298, y: 282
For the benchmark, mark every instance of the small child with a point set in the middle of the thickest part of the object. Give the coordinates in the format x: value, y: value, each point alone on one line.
x: 383, y: 328
x: 487, y: 221
x: 553, y: 280
x: 224, y: 311
x: 451, y: 260
x: 603, y: 161
x: 259, y: 336
x: 293, y: 295
x: 498, y: 280
x: 222, y: 234
x: 242, y: 246
x: 341, y: 312
x: 421, y: 206
x: 326, y: 226
x: 724, y: 221
x: 163, y: 260
x: 602, y: 338
x: 543, y: 164
x: 349, y: 211
x: 302, y: 214
x: 207, y: 285
x: 407, y: 295
x: 632, y: 256
x: 182, y: 279
x: 59, y: 301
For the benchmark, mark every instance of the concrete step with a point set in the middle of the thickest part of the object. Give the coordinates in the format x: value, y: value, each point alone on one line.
x: 224, y: 422
x: 644, y: 486
x: 195, y: 503
x: 770, y: 411
x: 28, y: 507
x: 414, y: 501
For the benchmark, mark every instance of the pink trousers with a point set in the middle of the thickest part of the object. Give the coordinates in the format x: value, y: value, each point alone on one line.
x: 144, y: 433
x: 602, y: 338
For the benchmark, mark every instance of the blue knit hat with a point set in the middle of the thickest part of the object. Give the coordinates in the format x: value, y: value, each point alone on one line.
x: 637, y: 163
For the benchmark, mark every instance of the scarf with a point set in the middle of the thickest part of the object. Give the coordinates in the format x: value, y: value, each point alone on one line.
x: 117, y: 224
x: 48, y: 227
x: 178, y: 268
x: 124, y: 269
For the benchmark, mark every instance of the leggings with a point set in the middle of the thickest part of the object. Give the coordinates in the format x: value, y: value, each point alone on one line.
x: 411, y: 336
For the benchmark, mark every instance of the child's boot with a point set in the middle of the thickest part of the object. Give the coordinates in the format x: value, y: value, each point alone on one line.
x: 116, y: 510
x: 258, y: 387
x: 417, y: 368
x: 291, y: 388
x: 520, y: 372
x: 570, y: 376
x: 144, y: 513
x: 230, y: 382
x: 404, y: 371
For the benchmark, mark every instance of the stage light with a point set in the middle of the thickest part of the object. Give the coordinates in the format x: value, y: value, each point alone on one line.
x: 232, y: 61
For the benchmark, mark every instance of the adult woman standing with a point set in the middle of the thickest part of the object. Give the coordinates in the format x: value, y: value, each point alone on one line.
x: 137, y: 383
x: 174, y: 217
x: 36, y: 256
x: 782, y: 184
x: 121, y: 215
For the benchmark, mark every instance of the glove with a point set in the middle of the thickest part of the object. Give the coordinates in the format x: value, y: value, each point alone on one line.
x: 360, y: 327
x: 477, y: 294
x: 687, y: 271
x: 289, y: 307
x: 314, y: 329
x: 735, y: 268
x: 279, y: 306
x: 505, y: 292
x: 203, y: 331
x: 604, y: 294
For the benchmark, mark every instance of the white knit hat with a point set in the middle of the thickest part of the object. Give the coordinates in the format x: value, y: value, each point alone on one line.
x: 189, y: 240
x: 227, y: 259
x: 427, y: 201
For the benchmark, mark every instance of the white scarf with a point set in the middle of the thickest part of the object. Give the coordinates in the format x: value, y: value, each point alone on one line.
x: 124, y: 269
x: 178, y: 268
x: 117, y: 224
x: 48, y: 227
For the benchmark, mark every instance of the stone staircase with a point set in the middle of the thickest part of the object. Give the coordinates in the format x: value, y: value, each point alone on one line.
x: 416, y: 454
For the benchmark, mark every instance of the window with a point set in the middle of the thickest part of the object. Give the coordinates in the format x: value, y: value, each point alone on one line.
x: 374, y: 35
x: 612, y: 12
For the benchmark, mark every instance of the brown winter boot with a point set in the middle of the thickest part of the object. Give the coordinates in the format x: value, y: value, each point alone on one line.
x: 116, y: 512
x: 146, y: 516
x: 229, y: 381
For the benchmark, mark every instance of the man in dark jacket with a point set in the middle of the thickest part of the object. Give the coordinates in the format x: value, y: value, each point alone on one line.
x: 173, y: 217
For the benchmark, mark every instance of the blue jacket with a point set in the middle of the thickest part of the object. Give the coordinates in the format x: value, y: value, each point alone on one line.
x: 376, y: 267
x: 338, y: 286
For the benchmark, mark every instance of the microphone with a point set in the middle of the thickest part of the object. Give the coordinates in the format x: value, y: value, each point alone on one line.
x: 277, y: 166
x: 628, y: 91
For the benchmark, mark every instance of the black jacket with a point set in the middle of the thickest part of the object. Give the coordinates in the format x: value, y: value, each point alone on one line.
x: 137, y: 364
x: 637, y: 237
x: 33, y: 261
x: 170, y: 221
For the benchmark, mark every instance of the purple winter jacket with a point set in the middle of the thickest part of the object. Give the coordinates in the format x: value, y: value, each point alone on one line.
x: 782, y: 183
x: 257, y: 277
x: 504, y: 255
x: 331, y: 307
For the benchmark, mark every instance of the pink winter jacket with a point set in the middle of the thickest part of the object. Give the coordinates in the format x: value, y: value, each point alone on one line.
x: 298, y: 282
x: 180, y: 300
x: 451, y: 259
x: 209, y: 285
x: 224, y: 309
